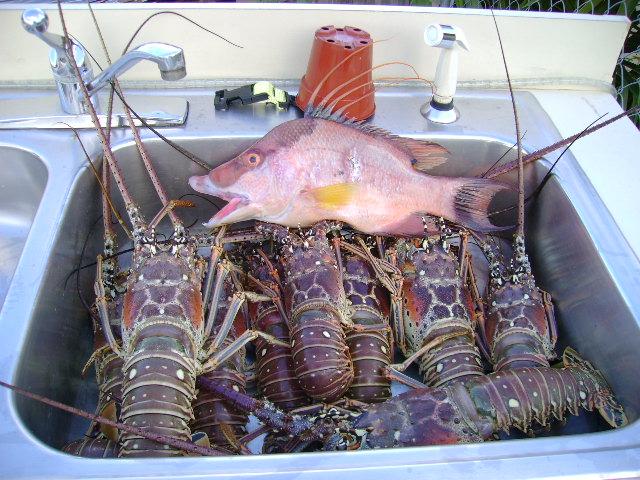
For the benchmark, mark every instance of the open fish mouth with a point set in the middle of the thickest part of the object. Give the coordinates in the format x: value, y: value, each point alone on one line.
x: 235, y: 201
x: 228, y: 209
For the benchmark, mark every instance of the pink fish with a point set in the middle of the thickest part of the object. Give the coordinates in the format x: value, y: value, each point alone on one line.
x: 312, y: 169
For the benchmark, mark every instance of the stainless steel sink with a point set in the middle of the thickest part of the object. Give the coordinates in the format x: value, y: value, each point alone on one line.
x: 22, y: 184
x: 578, y: 254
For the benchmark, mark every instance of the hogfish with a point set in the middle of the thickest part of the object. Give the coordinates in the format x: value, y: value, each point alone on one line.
x: 311, y: 169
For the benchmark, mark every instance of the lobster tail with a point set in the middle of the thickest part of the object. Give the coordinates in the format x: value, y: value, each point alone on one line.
x: 276, y: 377
x: 212, y: 414
x: 320, y: 355
x: 523, y: 396
x: 605, y: 401
x: 370, y: 348
x: 88, y: 447
x: 316, y: 303
x: 159, y: 386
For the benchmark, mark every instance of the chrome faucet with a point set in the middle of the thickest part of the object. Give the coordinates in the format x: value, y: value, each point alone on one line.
x: 170, y: 61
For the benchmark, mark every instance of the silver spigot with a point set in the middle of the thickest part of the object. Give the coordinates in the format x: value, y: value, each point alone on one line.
x: 170, y: 61
x: 449, y: 38
x: 35, y: 21
x: 169, y: 58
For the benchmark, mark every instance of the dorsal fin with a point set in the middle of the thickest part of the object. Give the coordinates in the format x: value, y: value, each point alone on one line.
x: 425, y: 155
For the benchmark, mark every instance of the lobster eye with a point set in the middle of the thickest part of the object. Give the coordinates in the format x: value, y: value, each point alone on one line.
x: 253, y: 159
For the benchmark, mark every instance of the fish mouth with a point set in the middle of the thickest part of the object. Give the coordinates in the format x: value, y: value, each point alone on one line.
x: 234, y: 203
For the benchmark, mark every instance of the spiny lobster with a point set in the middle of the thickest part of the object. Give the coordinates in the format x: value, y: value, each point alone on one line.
x: 520, y: 328
x: 317, y: 309
x: 469, y: 410
x: 437, y: 327
x: 275, y: 373
x: 371, y: 345
x: 473, y: 409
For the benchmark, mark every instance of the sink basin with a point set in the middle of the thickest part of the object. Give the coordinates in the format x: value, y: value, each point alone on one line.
x: 574, y: 245
x: 22, y: 184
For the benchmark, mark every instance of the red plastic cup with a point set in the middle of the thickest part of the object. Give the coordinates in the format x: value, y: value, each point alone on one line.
x: 341, y: 60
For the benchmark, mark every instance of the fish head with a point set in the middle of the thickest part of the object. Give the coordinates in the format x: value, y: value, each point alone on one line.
x: 257, y: 184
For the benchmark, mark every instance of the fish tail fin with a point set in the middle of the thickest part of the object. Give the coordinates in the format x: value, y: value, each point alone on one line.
x: 471, y: 204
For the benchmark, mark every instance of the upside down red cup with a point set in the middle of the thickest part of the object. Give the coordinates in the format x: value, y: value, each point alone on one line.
x: 341, y: 60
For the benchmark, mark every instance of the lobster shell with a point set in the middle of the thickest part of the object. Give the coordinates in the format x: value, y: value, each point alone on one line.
x: 315, y: 300
x: 370, y: 349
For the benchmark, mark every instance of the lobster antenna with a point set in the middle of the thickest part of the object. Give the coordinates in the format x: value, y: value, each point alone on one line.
x: 173, y: 442
x: 361, y: 74
x: 144, y: 155
x: 173, y: 145
x: 538, y: 154
x: 103, y: 188
x: 545, y: 179
x: 168, y: 12
x: 132, y: 208
x: 338, y: 113
x: 183, y: 151
x: 520, y: 228
x: 524, y: 134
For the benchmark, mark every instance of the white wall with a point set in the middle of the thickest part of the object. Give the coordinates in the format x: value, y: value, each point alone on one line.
x: 556, y: 49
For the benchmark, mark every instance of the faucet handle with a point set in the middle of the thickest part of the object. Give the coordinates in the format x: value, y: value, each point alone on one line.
x: 36, y: 22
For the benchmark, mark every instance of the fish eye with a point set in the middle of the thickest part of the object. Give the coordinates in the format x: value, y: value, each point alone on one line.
x: 253, y: 159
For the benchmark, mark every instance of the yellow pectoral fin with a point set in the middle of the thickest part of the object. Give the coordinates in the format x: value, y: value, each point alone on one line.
x: 333, y: 196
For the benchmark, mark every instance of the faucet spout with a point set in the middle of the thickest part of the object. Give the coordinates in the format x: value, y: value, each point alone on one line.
x: 169, y: 58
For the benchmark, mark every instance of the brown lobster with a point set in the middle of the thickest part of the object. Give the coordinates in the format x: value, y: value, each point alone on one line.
x: 371, y: 345
x: 437, y: 326
x: 275, y: 373
x: 317, y: 309
x: 473, y: 409
x: 520, y: 329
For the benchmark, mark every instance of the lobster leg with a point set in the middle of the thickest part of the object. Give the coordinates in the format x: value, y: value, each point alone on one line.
x: 265, y: 411
x: 478, y: 304
x: 394, y: 374
x: 238, y: 299
x: 103, y: 310
x: 168, y: 209
x: 226, y: 353
x: 222, y: 271
x: 216, y: 253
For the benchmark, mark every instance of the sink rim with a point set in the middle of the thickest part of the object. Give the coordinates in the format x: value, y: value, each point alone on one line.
x: 570, y: 176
